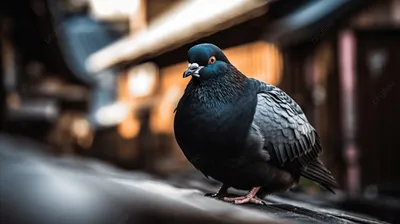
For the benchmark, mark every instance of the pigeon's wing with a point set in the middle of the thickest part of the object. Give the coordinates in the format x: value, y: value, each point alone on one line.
x: 286, y: 131
x: 287, y: 136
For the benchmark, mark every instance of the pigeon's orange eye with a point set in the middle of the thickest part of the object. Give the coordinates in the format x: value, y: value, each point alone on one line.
x: 212, y: 60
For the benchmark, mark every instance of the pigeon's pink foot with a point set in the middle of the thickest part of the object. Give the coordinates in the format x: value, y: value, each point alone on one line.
x: 249, y: 198
x: 234, y: 198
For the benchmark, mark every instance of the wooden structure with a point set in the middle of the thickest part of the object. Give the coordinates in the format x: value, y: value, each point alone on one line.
x: 181, y: 25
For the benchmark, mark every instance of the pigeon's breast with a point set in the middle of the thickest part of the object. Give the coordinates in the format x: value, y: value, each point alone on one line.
x: 213, y: 129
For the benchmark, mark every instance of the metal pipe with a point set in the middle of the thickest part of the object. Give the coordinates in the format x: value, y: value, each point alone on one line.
x: 348, y: 84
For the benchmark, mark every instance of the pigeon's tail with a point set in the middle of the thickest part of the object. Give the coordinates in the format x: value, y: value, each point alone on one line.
x: 317, y: 172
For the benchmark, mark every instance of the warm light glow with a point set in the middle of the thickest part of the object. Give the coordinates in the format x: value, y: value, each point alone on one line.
x: 80, y: 127
x: 142, y: 80
x: 162, y: 116
x: 112, y: 114
x: 130, y: 127
x: 139, y: 83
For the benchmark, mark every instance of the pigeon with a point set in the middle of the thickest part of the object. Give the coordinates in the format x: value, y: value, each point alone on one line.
x: 245, y: 133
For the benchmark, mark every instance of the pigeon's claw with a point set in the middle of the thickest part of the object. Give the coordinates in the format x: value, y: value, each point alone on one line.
x: 234, y: 198
x: 249, y: 198
x: 244, y: 200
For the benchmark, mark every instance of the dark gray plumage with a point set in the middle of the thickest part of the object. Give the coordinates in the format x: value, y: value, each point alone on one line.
x: 242, y: 132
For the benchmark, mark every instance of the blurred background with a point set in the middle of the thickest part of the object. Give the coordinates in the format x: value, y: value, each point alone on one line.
x: 100, y: 79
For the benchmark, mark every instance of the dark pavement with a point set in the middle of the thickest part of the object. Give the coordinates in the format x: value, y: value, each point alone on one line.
x: 38, y: 188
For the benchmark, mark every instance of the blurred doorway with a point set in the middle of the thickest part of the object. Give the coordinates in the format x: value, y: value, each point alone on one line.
x: 378, y: 97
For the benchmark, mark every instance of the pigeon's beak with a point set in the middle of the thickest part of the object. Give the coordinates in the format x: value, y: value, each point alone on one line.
x: 193, y: 69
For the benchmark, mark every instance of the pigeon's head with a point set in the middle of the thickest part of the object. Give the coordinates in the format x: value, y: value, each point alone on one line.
x: 206, y: 61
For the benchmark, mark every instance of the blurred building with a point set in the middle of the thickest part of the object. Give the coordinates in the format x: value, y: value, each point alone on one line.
x: 336, y: 58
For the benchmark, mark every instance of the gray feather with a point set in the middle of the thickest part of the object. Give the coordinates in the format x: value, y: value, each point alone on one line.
x: 283, y: 125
